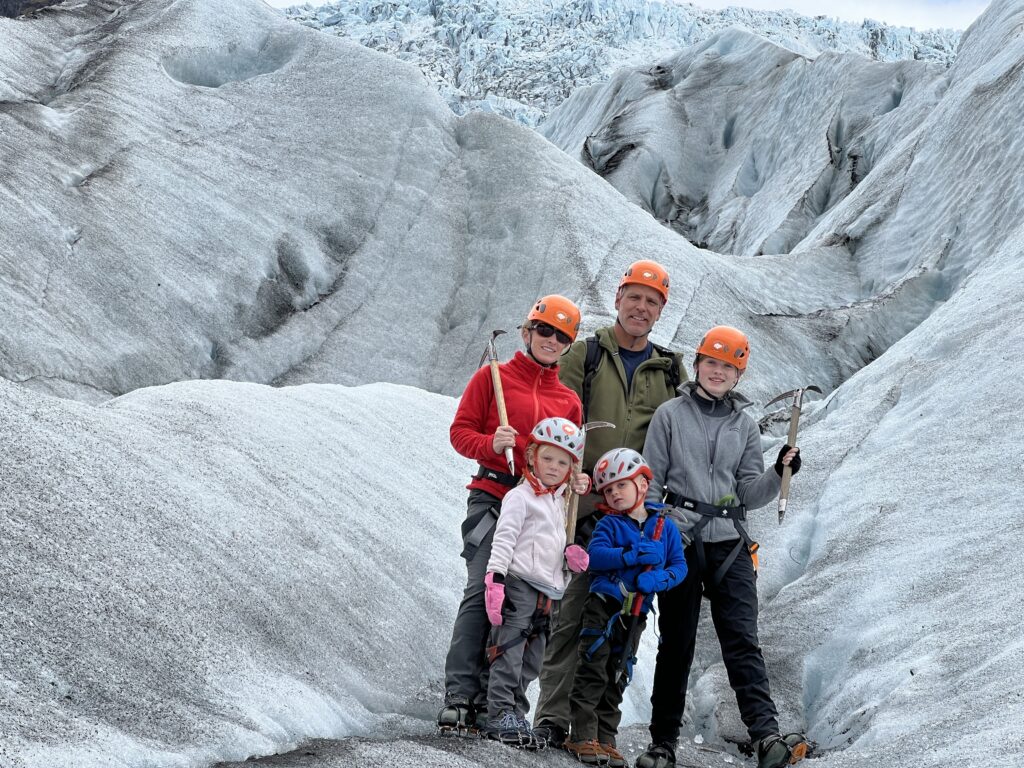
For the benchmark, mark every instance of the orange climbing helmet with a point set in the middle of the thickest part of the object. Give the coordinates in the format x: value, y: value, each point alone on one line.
x: 558, y: 312
x: 649, y: 273
x: 726, y: 344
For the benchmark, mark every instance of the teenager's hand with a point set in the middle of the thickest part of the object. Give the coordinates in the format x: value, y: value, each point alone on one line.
x: 577, y: 558
x: 581, y: 483
x: 494, y: 598
x: 504, y: 437
x: 650, y: 582
x: 787, y: 456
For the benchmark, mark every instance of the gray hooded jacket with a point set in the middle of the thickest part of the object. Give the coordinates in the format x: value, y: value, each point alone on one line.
x: 678, y: 448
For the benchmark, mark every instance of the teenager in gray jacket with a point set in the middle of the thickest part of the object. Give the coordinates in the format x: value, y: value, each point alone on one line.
x: 705, y: 452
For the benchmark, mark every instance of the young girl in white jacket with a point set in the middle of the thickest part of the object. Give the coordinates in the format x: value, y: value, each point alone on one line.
x: 526, y: 576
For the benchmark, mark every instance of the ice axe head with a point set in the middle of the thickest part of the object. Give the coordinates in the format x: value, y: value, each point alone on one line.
x: 595, y: 425
x: 490, y: 351
x: 794, y: 393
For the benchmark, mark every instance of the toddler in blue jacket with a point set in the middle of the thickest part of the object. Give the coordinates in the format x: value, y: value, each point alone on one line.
x: 632, y: 552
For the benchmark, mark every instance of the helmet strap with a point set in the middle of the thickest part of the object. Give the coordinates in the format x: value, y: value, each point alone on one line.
x: 639, y: 496
x: 529, y: 351
x: 704, y: 392
x: 538, y: 487
x: 708, y: 395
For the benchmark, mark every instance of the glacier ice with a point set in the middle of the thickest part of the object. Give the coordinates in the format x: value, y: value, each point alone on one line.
x: 522, y: 59
x: 195, y: 571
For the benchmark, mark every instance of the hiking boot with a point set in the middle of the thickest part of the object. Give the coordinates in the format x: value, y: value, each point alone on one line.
x: 507, y: 728
x: 777, y: 751
x: 551, y: 734
x: 615, y: 758
x: 588, y: 752
x: 661, y: 755
x: 456, y: 718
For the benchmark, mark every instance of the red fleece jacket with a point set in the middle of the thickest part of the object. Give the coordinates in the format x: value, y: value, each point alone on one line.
x: 532, y: 392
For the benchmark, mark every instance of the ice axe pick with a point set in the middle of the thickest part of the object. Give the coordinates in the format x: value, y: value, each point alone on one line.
x: 794, y: 420
x: 491, y: 354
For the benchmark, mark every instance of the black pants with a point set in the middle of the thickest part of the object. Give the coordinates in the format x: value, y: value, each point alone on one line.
x: 734, y: 613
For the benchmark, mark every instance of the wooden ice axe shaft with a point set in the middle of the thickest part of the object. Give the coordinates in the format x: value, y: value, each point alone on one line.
x: 491, y: 354
x: 572, y: 505
x: 794, y: 422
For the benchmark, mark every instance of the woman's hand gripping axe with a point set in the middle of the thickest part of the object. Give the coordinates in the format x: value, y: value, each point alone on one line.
x: 794, y: 420
x: 491, y: 354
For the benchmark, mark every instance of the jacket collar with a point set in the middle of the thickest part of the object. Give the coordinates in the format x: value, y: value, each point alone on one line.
x: 735, y: 400
x: 606, y: 338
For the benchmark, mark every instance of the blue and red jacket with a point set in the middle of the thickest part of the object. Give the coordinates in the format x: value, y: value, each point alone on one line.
x: 618, y: 533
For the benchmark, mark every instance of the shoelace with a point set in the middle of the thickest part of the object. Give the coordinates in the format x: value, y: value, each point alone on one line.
x: 508, y: 722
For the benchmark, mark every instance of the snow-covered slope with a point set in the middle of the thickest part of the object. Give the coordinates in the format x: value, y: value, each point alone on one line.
x: 522, y: 59
x: 208, y: 570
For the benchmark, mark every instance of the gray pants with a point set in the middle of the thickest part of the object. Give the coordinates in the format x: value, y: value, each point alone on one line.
x: 526, y: 635
x: 465, y: 669
x: 556, y: 676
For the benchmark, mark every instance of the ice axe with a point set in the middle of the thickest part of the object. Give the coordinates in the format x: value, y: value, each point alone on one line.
x: 491, y: 354
x: 574, y: 500
x: 624, y: 661
x: 794, y: 420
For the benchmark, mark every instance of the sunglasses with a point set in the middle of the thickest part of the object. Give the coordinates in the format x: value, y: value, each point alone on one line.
x: 547, y: 332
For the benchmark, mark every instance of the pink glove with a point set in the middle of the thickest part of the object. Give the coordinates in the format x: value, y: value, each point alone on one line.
x: 577, y: 558
x: 494, y: 598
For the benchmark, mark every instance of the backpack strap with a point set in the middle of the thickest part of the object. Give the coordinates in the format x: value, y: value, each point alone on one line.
x: 675, y: 372
x: 590, y: 366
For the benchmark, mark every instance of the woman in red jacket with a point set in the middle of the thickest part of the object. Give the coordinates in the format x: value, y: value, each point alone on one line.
x: 532, y: 393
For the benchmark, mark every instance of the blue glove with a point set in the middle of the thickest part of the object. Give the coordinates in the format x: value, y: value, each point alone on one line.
x: 650, y: 582
x: 647, y: 553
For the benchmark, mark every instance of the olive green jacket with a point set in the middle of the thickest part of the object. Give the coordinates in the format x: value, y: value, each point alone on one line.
x: 630, y: 412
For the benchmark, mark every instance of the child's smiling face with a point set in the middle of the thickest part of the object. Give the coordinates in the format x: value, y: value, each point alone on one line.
x: 716, y: 377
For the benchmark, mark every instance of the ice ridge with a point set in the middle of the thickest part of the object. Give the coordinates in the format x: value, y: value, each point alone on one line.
x: 522, y: 58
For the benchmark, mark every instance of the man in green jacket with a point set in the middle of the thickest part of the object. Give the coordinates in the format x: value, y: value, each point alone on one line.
x: 622, y: 378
